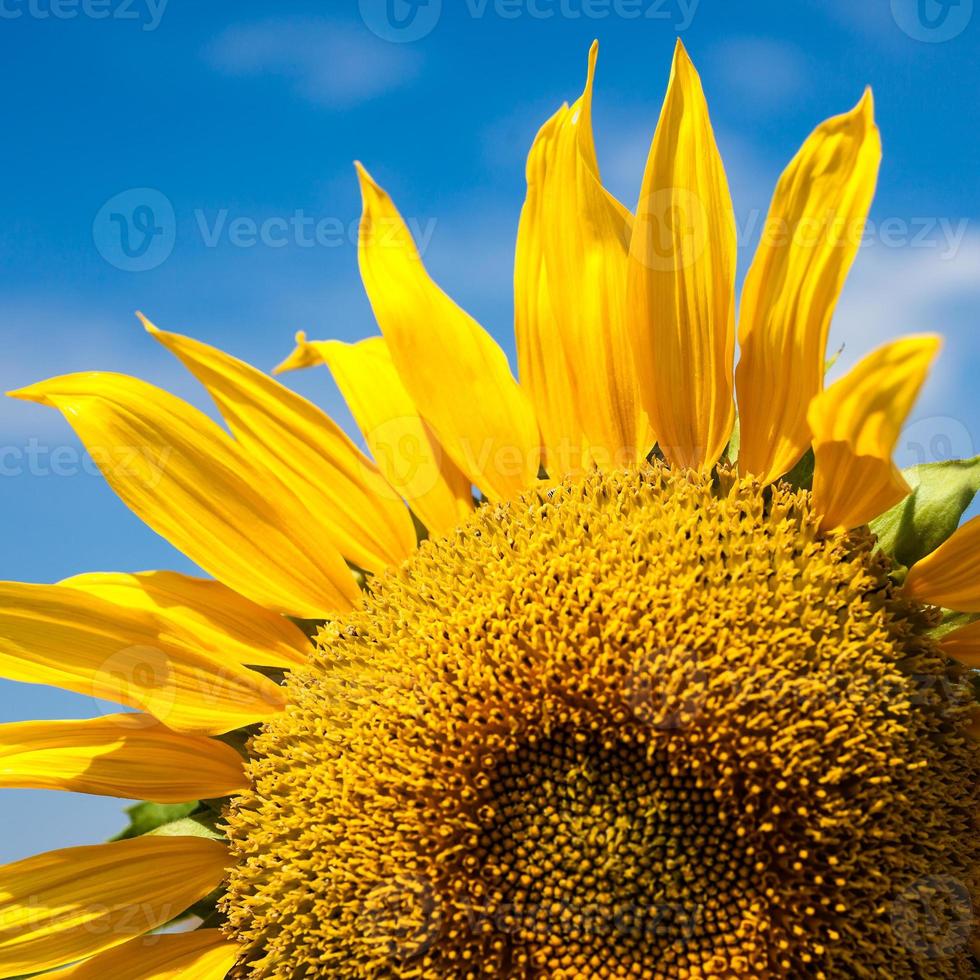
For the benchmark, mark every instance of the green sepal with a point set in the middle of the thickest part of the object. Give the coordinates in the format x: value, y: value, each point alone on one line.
x: 147, y: 817
x: 951, y: 622
x: 941, y: 493
x: 201, y: 824
x: 311, y: 627
x: 832, y: 360
x: 800, y: 477
x: 734, y: 443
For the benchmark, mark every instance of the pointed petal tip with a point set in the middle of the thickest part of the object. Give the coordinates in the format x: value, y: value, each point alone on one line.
x: 298, y: 358
x: 865, y: 108
x: 929, y: 343
x: 682, y: 68
x: 364, y: 177
x: 371, y: 191
x: 30, y: 393
x: 43, y: 392
x: 593, y: 57
x: 586, y: 99
x: 291, y: 362
x: 148, y: 326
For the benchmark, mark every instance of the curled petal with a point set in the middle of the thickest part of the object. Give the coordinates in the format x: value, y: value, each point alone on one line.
x: 808, y: 245
x: 201, y: 955
x: 211, y: 616
x: 856, y: 423
x: 58, y: 635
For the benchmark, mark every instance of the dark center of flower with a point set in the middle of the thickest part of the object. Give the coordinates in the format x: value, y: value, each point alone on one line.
x: 604, y: 849
x: 645, y: 725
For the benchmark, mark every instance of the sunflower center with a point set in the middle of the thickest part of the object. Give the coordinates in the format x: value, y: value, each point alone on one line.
x: 601, y: 842
x: 645, y: 725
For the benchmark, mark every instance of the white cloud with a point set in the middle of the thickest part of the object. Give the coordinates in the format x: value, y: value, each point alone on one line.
x: 43, y: 340
x: 331, y: 64
x: 874, y: 20
x: 763, y: 74
x: 916, y: 288
x: 894, y: 292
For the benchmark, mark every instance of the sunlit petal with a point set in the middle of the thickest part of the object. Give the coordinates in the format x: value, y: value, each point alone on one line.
x: 403, y: 444
x: 574, y: 351
x: 211, y: 616
x: 131, y: 756
x: 190, y: 482
x: 345, y: 498
x: 57, y: 635
x: 856, y: 423
x: 809, y: 242
x: 455, y: 373
x: 950, y: 576
x: 202, y: 955
x: 63, y: 905
x: 681, y: 294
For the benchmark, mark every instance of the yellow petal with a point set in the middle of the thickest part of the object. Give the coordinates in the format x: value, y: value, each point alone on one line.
x: 810, y: 239
x: 681, y: 291
x: 211, y: 616
x: 63, y: 905
x: 574, y: 351
x: 405, y: 447
x: 454, y: 372
x: 964, y: 644
x: 950, y: 576
x: 190, y: 482
x: 57, y: 635
x: 856, y: 423
x: 202, y: 955
x: 346, y: 499
x: 131, y: 756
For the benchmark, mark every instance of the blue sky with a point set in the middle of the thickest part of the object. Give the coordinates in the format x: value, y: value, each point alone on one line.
x: 237, y: 123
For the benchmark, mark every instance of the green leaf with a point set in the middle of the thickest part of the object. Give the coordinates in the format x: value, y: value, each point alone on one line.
x: 202, y: 824
x: 146, y: 817
x: 941, y: 493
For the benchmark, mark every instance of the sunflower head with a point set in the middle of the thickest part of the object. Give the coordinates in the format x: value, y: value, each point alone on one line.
x: 645, y: 724
x: 687, y: 692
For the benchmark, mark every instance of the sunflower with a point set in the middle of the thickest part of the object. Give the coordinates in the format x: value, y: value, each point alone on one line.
x: 676, y: 696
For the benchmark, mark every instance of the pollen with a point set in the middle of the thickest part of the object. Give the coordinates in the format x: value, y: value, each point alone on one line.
x: 637, y: 725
